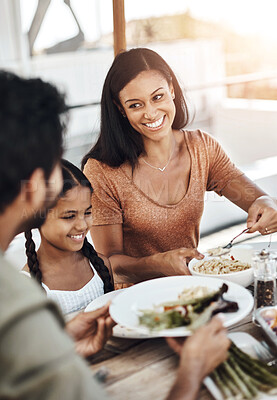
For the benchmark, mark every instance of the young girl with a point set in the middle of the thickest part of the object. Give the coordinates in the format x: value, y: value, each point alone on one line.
x: 66, y: 264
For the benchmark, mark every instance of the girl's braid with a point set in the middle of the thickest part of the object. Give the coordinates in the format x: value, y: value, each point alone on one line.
x: 89, y: 252
x: 32, y: 259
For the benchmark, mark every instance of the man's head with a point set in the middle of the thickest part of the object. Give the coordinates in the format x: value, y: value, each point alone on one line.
x: 31, y: 135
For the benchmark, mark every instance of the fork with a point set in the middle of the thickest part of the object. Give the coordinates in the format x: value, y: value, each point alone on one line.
x: 230, y: 244
x: 227, y: 248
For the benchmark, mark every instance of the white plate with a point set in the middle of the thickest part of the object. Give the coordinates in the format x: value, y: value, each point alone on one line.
x: 246, y: 343
x: 118, y: 331
x: 125, y: 308
x: 101, y: 301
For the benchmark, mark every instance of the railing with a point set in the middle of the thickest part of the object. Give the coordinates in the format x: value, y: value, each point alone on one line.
x: 236, y: 80
x: 229, y: 81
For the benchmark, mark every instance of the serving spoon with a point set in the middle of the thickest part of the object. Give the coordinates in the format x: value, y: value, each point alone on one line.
x: 222, y: 250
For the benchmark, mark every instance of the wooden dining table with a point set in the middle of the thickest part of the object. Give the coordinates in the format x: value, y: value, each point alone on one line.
x: 142, y: 369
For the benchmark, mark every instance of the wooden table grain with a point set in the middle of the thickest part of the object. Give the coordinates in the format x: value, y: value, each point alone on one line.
x: 142, y: 369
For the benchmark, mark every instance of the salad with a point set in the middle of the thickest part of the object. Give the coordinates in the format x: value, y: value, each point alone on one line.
x: 193, y: 308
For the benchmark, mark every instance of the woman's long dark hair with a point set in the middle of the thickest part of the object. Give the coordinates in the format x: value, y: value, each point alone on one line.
x: 118, y: 141
x: 72, y: 177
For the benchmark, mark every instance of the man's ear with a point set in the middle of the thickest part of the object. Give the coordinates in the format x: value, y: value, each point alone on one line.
x: 33, y: 190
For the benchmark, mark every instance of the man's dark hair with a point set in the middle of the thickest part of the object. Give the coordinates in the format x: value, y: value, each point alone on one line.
x: 31, y: 131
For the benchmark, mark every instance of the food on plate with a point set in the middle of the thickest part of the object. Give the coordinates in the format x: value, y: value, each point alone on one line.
x: 216, y: 251
x: 194, y: 292
x: 244, y: 377
x: 220, y: 265
x: 193, y: 308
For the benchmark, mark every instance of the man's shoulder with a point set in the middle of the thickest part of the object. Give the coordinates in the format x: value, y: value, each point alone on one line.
x: 18, y: 294
x: 36, y: 353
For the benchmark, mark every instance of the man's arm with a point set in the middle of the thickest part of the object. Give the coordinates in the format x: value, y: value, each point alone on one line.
x: 199, y: 356
x: 38, y: 361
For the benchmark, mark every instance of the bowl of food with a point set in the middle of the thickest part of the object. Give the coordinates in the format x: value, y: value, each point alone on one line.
x: 226, y: 267
x: 266, y: 317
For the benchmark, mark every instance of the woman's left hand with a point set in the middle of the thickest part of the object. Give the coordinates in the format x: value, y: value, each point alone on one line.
x: 262, y: 215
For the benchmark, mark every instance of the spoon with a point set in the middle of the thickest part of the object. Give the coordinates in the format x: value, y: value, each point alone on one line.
x: 220, y: 251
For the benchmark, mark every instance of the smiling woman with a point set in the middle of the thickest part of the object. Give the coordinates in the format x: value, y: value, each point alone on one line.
x: 66, y: 265
x: 152, y: 112
x: 150, y: 174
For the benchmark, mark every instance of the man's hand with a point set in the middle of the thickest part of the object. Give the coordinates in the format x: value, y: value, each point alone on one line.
x: 199, y: 355
x: 90, y: 330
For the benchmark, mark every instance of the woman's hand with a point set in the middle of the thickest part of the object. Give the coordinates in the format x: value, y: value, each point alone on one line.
x: 90, y: 330
x: 174, y: 262
x: 128, y: 269
x: 262, y: 215
x: 199, y: 356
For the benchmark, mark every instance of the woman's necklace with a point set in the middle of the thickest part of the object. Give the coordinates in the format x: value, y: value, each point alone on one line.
x: 166, y: 165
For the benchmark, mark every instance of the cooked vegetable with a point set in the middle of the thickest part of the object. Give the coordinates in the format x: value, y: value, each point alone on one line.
x: 243, y: 377
x: 192, y: 312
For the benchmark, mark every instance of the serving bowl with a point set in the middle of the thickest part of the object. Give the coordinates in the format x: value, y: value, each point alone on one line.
x: 266, y: 319
x: 243, y: 278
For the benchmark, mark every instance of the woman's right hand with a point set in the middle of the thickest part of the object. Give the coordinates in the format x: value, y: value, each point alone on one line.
x: 175, y: 262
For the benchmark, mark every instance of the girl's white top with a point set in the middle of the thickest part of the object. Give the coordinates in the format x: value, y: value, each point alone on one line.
x: 75, y: 300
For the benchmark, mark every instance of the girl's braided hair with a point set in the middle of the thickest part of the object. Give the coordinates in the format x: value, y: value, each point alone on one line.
x: 32, y: 259
x: 89, y: 252
x: 72, y: 177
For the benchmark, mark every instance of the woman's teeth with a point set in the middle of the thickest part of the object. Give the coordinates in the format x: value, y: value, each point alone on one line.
x: 77, y: 236
x: 155, y: 124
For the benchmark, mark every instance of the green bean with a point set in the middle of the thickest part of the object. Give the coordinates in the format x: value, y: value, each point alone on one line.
x: 237, y: 380
x: 224, y: 389
x: 224, y: 372
x: 244, y: 377
x: 228, y: 382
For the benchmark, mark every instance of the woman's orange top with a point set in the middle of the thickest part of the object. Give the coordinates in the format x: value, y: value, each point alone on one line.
x: 149, y: 227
